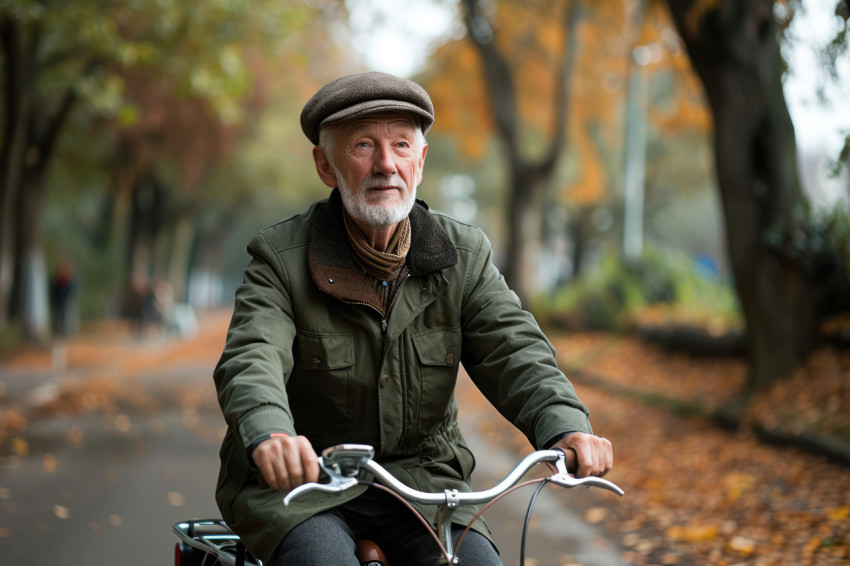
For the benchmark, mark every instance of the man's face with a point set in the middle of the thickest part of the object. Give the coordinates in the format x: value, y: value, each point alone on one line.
x: 378, y: 165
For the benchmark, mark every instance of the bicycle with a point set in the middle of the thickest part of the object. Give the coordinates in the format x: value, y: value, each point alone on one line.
x: 209, y: 542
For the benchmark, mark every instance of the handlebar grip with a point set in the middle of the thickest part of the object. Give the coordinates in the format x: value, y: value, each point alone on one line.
x: 570, y: 459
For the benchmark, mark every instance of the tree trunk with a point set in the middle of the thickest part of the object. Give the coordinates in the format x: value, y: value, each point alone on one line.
x: 32, y: 128
x: 529, y: 179
x: 30, y: 299
x: 734, y: 50
x: 524, y: 232
x: 16, y: 62
x: 181, y: 253
x: 145, y: 261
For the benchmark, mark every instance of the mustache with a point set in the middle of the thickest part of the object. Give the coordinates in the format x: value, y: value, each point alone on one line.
x: 376, y: 181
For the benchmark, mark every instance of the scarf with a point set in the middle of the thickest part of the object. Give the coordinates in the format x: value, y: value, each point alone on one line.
x: 385, y: 265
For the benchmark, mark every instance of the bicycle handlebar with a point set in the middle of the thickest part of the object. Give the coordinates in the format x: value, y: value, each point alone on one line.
x: 342, y: 464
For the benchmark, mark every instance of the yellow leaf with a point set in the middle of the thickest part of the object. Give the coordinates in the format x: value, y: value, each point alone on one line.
x: 811, y: 546
x: 840, y: 513
x: 696, y: 533
x: 20, y: 446
x: 737, y: 484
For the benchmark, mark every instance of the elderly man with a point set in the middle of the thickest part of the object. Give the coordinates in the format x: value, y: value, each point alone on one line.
x: 350, y: 326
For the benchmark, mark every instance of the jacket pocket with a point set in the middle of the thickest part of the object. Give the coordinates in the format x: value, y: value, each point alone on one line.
x: 438, y: 353
x: 320, y: 387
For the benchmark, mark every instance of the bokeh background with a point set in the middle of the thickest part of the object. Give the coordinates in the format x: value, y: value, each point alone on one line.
x: 665, y: 183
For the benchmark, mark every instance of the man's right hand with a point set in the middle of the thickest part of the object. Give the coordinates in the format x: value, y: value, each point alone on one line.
x: 285, y: 462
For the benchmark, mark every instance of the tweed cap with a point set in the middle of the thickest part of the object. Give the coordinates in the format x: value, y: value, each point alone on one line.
x: 353, y: 96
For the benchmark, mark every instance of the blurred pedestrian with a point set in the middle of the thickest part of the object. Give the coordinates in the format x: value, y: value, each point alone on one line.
x: 63, y: 290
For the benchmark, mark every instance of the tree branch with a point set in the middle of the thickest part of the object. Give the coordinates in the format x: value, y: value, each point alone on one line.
x: 562, y: 89
x: 47, y: 137
x: 498, y: 75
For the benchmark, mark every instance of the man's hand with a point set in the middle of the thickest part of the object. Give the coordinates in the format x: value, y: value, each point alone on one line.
x: 587, y: 455
x: 285, y: 462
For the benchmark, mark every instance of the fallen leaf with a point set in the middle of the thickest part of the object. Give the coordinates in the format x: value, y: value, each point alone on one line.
x: 122, y: 423
x: 811, y: 546
x: 742, y: 545
x: 595, y: 515
x: 20, y: 446
x: 176, y: 499
x: 75, y: 435
x: 49, y: 462
x: 699, y: 533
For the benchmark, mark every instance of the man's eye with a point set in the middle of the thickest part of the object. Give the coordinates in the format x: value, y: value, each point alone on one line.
x: 404, y: 144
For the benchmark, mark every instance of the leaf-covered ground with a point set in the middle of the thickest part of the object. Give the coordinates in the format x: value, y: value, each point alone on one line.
x: 701, y: 495
x: 695, y: 494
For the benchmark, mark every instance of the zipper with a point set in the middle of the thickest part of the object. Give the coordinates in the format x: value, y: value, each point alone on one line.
x: 377, y: 310
x: 392, y: 302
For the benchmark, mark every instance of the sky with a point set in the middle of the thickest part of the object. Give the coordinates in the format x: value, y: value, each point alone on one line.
x: 396, y: 37
x: 816, y: 125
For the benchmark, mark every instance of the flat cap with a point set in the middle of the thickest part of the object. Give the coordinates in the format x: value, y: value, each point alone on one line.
x: 353, y: 96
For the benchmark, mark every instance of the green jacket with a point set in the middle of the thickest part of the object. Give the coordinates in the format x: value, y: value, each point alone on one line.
x: 307, y: 354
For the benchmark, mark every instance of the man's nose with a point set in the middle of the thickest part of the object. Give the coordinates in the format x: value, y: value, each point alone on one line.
x: 384, y: 162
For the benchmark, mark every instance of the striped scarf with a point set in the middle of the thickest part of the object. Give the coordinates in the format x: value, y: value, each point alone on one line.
x: 385, y: 265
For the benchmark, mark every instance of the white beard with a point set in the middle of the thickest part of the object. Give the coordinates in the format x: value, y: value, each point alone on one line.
x: 376, y: 215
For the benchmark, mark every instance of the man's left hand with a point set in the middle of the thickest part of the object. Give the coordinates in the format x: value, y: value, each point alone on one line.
x: 587, y: 455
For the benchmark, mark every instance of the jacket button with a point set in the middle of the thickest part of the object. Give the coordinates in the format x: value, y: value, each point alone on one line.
x: 450, y: 359
x: 315, y: 363
x: 384, y: 380
x: 424, y: 289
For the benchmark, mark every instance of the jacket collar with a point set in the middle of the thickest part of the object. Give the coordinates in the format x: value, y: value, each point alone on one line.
x: 430, y: 247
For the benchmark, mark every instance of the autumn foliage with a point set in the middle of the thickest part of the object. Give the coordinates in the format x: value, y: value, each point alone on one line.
x: 531, y: 35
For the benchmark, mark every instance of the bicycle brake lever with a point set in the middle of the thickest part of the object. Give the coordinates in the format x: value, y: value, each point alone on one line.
x: 335, y: 484
x: 333, y: 487
x: 566, y: 480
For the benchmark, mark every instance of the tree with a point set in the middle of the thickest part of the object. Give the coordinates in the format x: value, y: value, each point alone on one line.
x: 58, y: 56
x: 529, y: 176
x: 553, y: 76
x: 783, y: 280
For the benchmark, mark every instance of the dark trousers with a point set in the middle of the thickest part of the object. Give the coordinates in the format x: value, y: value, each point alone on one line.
x: 329, y: 537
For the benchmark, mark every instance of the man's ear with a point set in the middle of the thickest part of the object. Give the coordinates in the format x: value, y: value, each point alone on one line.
x: 324, y: 168
x: 421, y: 164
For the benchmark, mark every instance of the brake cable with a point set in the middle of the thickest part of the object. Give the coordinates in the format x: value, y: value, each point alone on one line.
x: 537, y: 491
